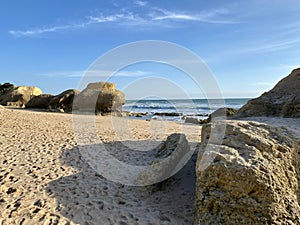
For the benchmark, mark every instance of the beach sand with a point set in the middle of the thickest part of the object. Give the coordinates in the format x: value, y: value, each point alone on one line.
x: 44, y: 180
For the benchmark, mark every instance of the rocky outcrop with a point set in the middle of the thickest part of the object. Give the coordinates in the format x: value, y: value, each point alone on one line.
x: 19, y: 96
x: 101, y: 97
x: 168, y: 159
x: 6, y: 87
x: 192, y: 120
x: 60, y: 103
x: 249, y: 176
x: 167, y: 114
x: 41, y: 101
x: 283, y: 100
x: 221, y: 114
x: 64, y: 101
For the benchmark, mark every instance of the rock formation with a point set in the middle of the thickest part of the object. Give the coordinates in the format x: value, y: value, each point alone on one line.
x: 101, y: 97
x: 4, y: 88
x: 64, y: 101
x: 192, y: 120
x: 40, y: 101
x: 219, y: 114
x: 252, y: 177
x: 283, y: 100
x: 19, y: 96
x: 169, y: 156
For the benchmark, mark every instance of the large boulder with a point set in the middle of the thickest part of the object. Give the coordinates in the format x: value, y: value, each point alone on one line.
x: 170, y: 156
x: 19, y: 96
x: 283, y: 100
x: 41, y: 101
x: 249, y: 176
x: 64, y: 101
x: 192, y: 120
x: 101, y: 97
x: 220, y: 114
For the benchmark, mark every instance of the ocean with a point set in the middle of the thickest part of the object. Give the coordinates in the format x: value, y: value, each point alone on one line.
x: 178, y: 109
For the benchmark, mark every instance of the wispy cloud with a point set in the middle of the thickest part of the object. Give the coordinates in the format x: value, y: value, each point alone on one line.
x: 272, y: 47
x: 141, y: 3
x: 38, y: 31
x: 205, y: 17
x: 88, y: 21
x: 96, y: 73
x: 71, y: 73
x: 125, y: 17
x: 134, y: 73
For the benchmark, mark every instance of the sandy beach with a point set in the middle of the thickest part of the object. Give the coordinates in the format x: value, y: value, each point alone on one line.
x: 45, y: 181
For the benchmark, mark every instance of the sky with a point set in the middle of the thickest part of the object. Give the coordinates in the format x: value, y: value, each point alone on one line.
x: 247, y: 45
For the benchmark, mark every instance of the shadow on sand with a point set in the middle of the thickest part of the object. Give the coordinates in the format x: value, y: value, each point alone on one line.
x: 88, y: 198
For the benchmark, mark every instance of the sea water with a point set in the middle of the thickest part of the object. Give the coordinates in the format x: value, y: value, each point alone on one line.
x: 198, y: 108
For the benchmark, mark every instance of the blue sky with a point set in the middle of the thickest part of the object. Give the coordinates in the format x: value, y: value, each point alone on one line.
x: 248, y: 45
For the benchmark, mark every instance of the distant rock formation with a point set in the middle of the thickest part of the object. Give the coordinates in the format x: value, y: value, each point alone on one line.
x: 283, y: 100
x: 63, y: 102
x: 219, y: 114
x: 253, y: 177
x: 101, y: 97
x: 18, y: 96
x: 40, y: 101
x: 4, y: 88
x: 192, y: 120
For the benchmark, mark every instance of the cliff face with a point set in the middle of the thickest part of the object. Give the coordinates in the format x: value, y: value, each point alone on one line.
x: 283, y: 100
x: 252, y: 179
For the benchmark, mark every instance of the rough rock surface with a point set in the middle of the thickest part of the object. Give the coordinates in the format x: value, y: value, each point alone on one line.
x: 6, y: 87
x: 101, y: 97
x: 63, y: 101
x: 41, y: 101
x: 192, y: 120
x: 282, y: 100
x: 169, y: 156
x: 253, y: 177
x: 221, y: 114
x: 19, y: 96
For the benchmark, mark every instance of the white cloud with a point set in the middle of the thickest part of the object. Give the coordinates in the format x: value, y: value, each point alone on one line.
x: 39, y: 31
x: 273, y: 46
x: 75, y: 73
x: 129, y: 18
x: 205, y: 17
x: 175, y: 17
x: 141, y: 3
x: 96, y: 73
x: 34, y: 32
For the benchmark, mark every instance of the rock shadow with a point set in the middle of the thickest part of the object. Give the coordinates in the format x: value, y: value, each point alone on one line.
x: 88, y: 198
